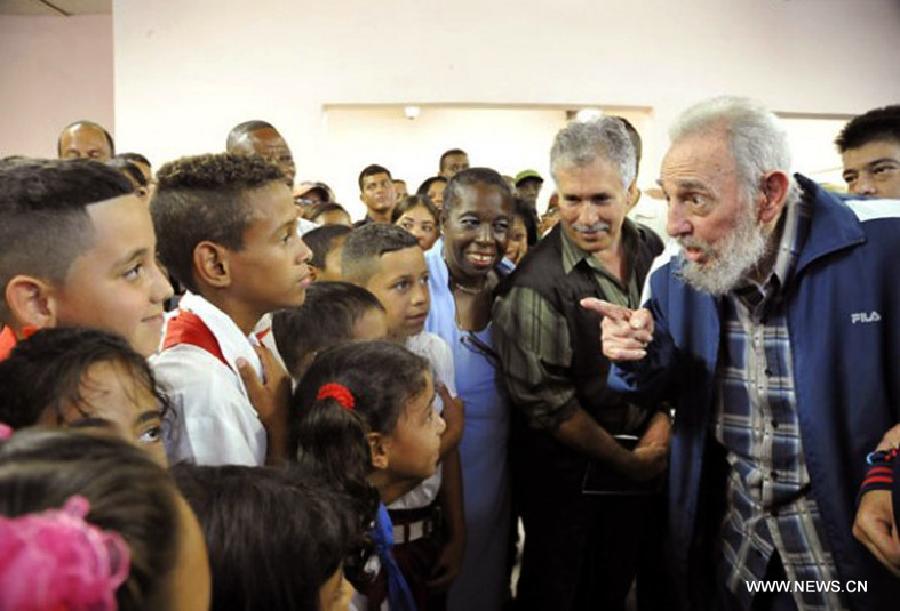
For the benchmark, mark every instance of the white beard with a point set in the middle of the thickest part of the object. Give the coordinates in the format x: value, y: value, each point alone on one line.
x: 729, y: 260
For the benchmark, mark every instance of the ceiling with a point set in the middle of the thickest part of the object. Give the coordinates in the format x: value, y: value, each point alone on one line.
x: 59, y: 8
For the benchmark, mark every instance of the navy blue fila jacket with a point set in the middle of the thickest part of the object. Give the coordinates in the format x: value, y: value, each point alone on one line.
x: 843, y: 313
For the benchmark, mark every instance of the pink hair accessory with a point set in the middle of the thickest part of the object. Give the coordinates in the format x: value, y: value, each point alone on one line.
x: 55, y: 561
x: 6, y: 431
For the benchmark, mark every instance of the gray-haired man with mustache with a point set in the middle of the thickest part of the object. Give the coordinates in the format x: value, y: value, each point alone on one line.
x: 581, y: 535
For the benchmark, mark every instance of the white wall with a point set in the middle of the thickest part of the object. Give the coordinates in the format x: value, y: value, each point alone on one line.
x: 53, y: 70
x: 186, y: 72
x: 506, y: 139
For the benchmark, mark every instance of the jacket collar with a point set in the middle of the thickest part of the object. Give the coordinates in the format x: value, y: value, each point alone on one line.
x: 833, y: 225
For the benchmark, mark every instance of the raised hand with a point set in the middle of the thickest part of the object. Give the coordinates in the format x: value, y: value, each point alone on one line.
x: 626, y: 332
x: 874, y: 527
x: 270, y: 400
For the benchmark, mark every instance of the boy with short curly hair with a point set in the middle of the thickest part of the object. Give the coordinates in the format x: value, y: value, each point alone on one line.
x: 228, y: 229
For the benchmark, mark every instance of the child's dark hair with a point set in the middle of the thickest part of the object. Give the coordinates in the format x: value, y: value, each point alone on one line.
x: 273, y: 538
x: 416, y: 201
x: 426, y: 184
x: 129, y: 170
x: 128, y: 493
x: 872, y: 126
x: 324, y: 207
x: 365, y: 245
x: 524, y: 211
x: 45, y: 224
x: 202, y: 198
x: 134, y: 158
x: 382, y: 377
x: 326, y: 318
x: 372, y: 170
x: 47, y: 371
x: 321, y: 240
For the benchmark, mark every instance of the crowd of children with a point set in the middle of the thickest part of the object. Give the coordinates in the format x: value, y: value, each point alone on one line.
x: 218, y: 393
x: 288, y: 436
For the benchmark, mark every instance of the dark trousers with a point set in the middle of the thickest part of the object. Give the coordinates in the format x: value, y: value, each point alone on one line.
x: 580, y: 552
x: 417, y: 560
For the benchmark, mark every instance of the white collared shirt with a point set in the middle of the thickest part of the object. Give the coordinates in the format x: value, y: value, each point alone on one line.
x: 213, y: 420
x: 436, y: 351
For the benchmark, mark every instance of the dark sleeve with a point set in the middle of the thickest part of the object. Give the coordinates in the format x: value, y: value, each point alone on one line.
x: 532, y: 340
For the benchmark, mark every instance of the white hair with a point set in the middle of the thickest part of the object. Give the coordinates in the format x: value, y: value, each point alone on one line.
x: 756, y: 137
x: 581, y: 142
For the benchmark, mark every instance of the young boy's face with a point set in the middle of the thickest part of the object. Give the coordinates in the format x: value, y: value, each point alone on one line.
x: 116, y: 284
x: 270, y: 271
x: 115, y: 401
x: 401, y: 285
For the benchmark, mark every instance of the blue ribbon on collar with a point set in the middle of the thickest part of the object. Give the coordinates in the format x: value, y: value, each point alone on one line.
x: 400, y: 597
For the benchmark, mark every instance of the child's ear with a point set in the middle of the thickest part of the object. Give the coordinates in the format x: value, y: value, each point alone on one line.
x: 211, y: 265
x: 31, y: 302
x: 379, y: 446
x: 313, y: 272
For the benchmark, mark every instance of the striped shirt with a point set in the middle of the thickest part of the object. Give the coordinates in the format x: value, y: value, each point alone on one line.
x: 769, y: 507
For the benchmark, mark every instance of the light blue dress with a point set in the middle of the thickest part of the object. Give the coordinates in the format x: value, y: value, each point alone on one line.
x: 482, y: 583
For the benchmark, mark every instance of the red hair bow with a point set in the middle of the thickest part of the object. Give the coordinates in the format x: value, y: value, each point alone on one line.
x: 339, y: 393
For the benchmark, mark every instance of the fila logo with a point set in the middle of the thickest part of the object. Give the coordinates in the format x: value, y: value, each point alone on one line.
x: 864, y: 317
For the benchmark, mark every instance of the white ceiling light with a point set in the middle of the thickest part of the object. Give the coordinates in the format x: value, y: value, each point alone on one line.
x: 412, y: 112
x: 588, y: 114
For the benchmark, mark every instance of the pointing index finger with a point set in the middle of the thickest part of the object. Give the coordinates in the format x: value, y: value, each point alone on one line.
x: 610, y: 310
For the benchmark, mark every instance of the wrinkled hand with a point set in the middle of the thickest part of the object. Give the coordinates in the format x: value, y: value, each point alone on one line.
x: 874, y: 527
x: 454, y: 417
x: 658, y: 432
x: 647, y: 462
x: 890, y: 440
x: 626, y: 332
x: 448, y: 564
x: 270, y: 399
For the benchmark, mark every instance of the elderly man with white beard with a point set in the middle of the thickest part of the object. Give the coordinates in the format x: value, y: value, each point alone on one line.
x: 773, y: 327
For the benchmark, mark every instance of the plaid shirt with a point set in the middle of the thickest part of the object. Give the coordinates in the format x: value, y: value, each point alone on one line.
x: 769, y: 506
x: 532, y: 338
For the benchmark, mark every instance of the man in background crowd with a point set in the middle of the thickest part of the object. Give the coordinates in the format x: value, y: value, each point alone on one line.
x: 870, y: 147
x: 261, y: 138
x: 453, y: 161
x: 85, y: 140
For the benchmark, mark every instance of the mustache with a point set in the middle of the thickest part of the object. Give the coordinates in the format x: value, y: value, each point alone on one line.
x: 593, y: 228
x: 690, y: 242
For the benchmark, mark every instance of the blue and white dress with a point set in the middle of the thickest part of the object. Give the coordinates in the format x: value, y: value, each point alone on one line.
x: 482, y: 583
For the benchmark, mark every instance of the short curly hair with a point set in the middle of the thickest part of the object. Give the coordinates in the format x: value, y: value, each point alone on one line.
x: 201, y: 198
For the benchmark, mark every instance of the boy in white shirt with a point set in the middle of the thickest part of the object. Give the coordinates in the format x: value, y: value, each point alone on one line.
x: 228, y: 233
